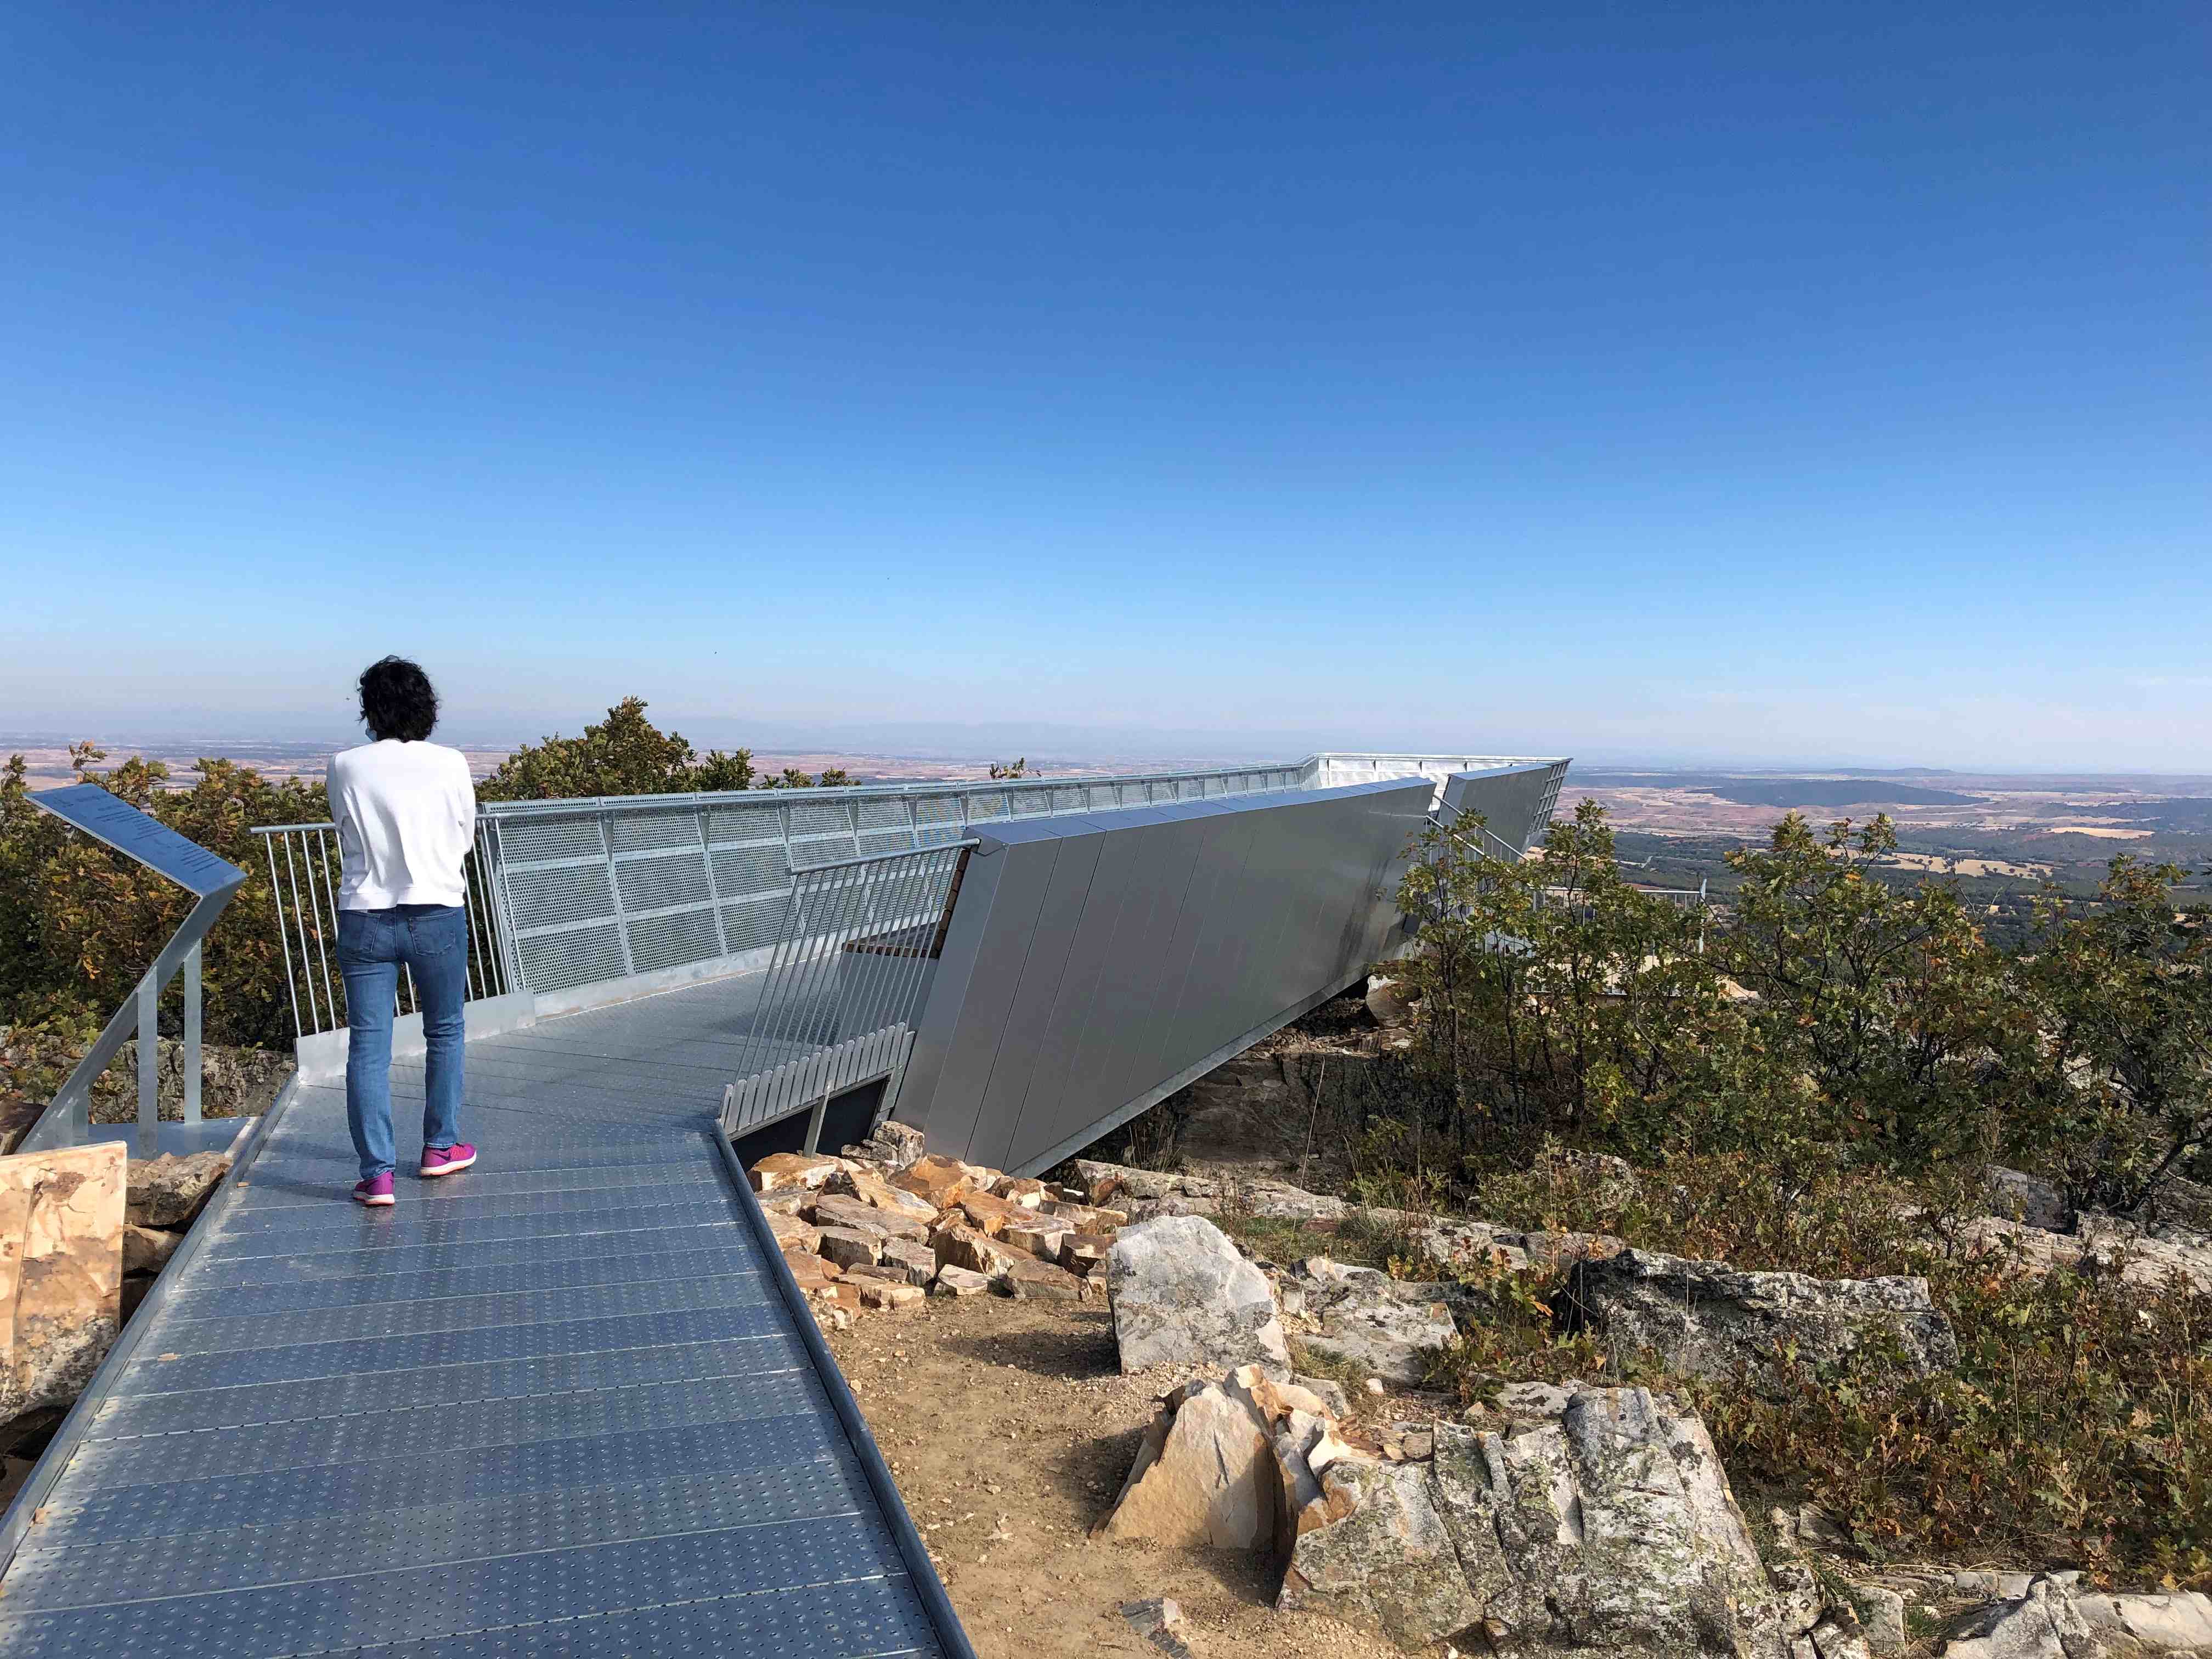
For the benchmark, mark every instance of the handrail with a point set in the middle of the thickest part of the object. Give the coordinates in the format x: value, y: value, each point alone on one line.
x: 67, y: 1120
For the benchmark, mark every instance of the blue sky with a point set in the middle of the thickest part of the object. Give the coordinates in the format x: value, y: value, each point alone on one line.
x: 1769, y: 383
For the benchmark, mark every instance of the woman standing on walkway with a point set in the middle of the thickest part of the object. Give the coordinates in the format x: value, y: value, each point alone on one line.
x: 406, y: 813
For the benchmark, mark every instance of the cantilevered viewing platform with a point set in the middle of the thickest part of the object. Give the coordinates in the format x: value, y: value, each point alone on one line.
x: 574, y: 1401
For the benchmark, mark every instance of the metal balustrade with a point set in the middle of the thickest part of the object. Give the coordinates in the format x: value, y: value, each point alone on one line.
x: 304, y: 871
x: 565, y: 895
x: 846, y: 982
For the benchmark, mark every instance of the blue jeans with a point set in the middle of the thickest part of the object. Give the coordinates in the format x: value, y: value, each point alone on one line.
x: 433, y: 941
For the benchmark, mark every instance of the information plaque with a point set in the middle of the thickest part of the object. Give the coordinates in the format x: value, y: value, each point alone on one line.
x: 109, y: 818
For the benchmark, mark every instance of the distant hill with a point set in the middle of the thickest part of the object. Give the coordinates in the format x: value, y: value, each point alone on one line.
x: 1837, y: 792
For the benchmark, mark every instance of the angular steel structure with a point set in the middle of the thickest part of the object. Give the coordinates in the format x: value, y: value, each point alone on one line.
x: 573, y: 1401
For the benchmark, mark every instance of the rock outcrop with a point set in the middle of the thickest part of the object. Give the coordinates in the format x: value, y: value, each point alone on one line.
x: 1708, y: 1319
x: 1392, y: 1329
x: 1182, y: 1295
x: 1610, y: 1526
x: 169, y: 1191
x: 61, y: 1271
x: 2043, y: 1624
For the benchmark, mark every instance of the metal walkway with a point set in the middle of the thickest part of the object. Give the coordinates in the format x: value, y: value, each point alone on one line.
x: 568, y: 1402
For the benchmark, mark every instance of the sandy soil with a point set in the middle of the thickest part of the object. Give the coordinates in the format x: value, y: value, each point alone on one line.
x: 1009, y: 1428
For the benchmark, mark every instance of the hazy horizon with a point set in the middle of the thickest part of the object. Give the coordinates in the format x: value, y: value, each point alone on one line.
x: 973, y: 743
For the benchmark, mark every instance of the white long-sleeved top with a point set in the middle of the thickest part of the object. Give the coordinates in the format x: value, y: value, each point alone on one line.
x: 406, y: 814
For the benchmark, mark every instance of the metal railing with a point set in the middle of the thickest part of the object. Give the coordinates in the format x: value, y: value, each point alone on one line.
x: 846, y: 984
x: 567, y: 893
x: 304, y: 872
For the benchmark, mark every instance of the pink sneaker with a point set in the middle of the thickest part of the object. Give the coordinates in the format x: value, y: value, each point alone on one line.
x: 445, y: 1160
x: 374, y: 1193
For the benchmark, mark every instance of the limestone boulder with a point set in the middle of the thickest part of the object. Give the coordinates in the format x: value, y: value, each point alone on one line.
x: 170, y: 1190
x: 935, y: 1179
x: 991, y: 1215
x: 61, y: 1270
x: 1610, y: 1527
x: 1041, y: 1281
x: 2045, y: 1623
x: 147, y: 1250
x: 1390, y: 1564
x: 2025, y: 1198
x: 1203, y: 1476
x: 2180, y: 1623
x: 1087, y: 1217
x: 1084, y: 1253
x: 780, y: 1171
x: 849, y: 1247
x: 892, y: 1144
x: 916, y: 1264
x: 877, y: 1194
x: 1366, y: 1318
x: 1708, y: 1319
x: 832, y: 1210
x: 1182, y: 1295
x: 958, y: 1245
x: 1042, y: 1238
x: 959, y: 1281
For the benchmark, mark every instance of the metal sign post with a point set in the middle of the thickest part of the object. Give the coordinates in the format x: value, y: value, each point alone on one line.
x: 213, y: 881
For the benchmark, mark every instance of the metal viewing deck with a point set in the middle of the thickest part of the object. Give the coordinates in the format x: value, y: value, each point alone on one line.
x: 567, y: 1402
x: 572, y: 1401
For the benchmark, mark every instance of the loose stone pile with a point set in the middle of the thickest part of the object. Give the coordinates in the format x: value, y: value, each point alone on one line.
x: 884, y: 1227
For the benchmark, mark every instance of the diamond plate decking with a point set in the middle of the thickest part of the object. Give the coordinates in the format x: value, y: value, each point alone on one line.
x: 565, y: 1403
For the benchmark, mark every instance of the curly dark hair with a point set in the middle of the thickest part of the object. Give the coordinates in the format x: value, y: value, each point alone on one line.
x: 397, y: 701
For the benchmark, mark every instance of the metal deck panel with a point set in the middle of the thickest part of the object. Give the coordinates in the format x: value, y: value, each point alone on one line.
x: 562, y: 1401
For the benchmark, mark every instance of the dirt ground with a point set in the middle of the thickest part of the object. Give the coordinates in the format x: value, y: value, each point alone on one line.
x: 1009, y: 1428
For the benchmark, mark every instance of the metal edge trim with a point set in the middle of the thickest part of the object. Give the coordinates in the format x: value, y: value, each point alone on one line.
x: 934, y: 1601
x: 15, y: 1528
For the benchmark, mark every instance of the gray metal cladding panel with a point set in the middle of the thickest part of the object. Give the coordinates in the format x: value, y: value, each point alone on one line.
x: 1043, y: 973
x: 1015, y: 884
x: 1204, y: 922
x: 751, y: 925
x: 655, y: 884
x: 574, y: 892
x: 1510, y: 801
x: 670, y: 941
x: 637, y: 831
x: 1051, y: 1043
x: 1120, y: 1038
x: 742, y: 869
x: 523, y: 841
x: 556, y: 961
x: 823, y: 849
x: 348, y: 1613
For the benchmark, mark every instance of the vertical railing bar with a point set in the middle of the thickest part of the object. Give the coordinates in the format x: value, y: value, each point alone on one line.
x: 192, y: 1032
x: 284, y: 940
x: 150, y: 1061
x: 407, y: 974
x: 714, y: 886
x: 471, y: 903
x: 306, y: 955
x: 323, y: 858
